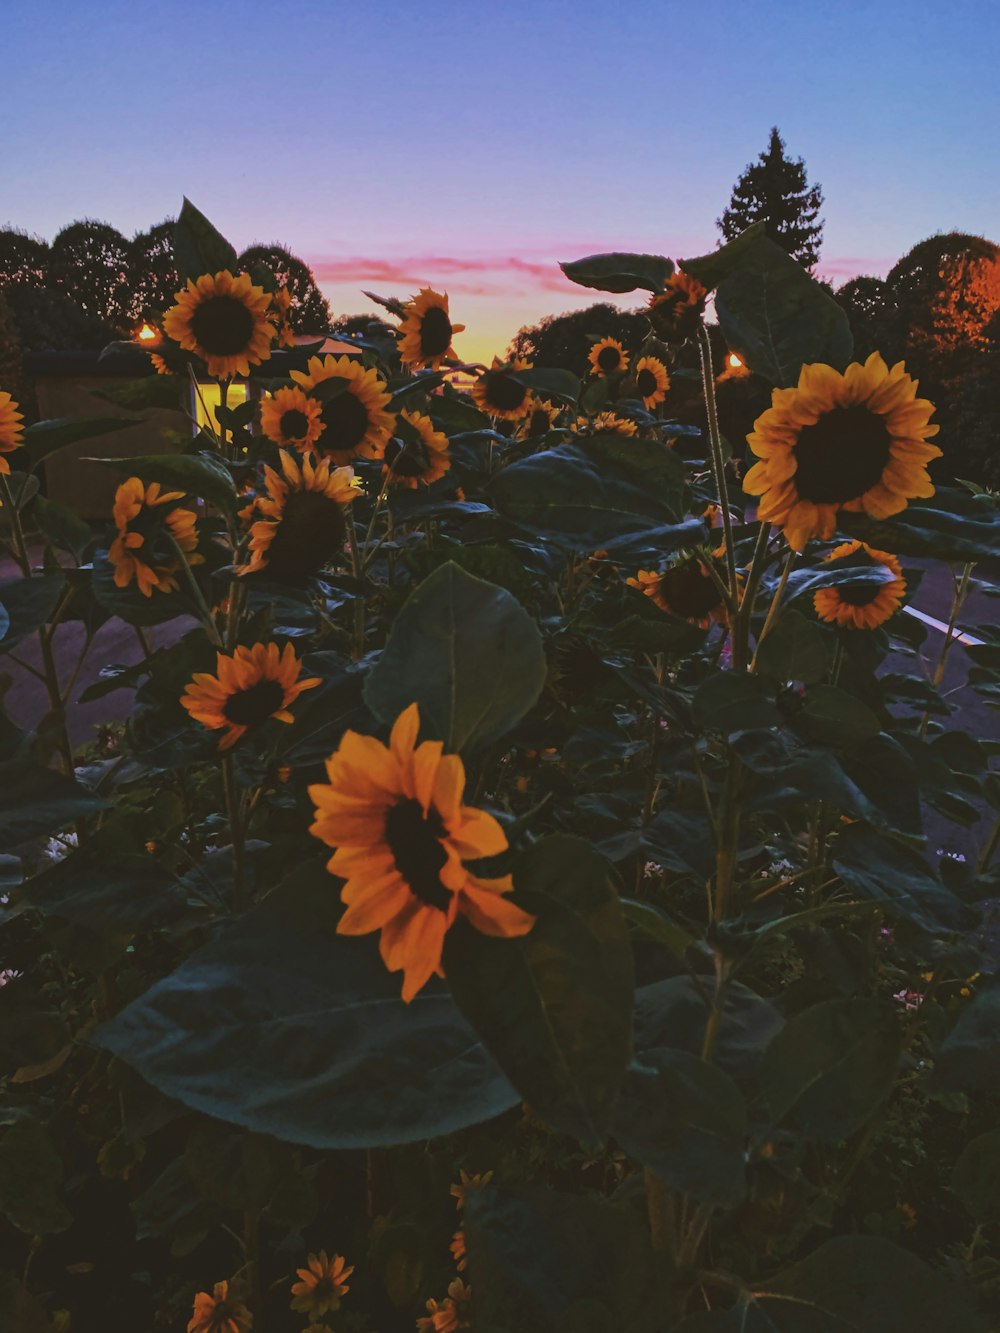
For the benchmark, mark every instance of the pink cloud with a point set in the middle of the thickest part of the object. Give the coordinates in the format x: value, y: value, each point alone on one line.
x: 847, y: 267
x: 481, y: 275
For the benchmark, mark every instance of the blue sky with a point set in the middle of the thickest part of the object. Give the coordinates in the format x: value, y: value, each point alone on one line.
x: 472, y: 145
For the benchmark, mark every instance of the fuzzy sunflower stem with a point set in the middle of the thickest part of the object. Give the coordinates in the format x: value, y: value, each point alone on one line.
x: 251, y: 1249
x: 358, y: 570
x: 718, y: 462
x: 17, y: 531
x: 204, y: 610
x: 661, y: 1209
x: 236, y: 832
x: 961, y: 591
x: 773, y: 609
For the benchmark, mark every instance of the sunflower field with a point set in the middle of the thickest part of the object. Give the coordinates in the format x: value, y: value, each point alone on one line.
x: 513, y: 902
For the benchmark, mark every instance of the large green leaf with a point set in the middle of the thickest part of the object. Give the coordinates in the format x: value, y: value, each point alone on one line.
x: 129, y: 603
x: 976, y: 1177
x: 776, y: 317
x: 686, y: 1120
x: 586, y: 494
x: 45, y: 437
x: 898, y: 877
x: 559, y: 385
x: 835, y: 717
x: 969, y: 1056
x: 712, y: 268
x: 28, y: 604
x: 795, y: 649
x: 35, y: 800
x: 198, y: 247
x: 954, y: 526
x: 674, y: 1012
x: 620, y: 272
x: 555, y: 1006
x: 468, y: 653
x: 31, y: 1179
x: 731, y: 701
x: 63, y: 526
x: 287, y: 1028
x: 830, y: 1067
x: 204, y: 475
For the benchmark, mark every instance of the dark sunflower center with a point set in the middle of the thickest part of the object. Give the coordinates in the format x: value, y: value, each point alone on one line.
x: 645, y: 382
x: 502, y: 393
x: 435, y: 332
x: 842, y: 456
x: 310, y: 534
x: 538, y: 422
x: 415, y: 843
x: 609, y: 358
x: 249, y: 708
x: 859, y: 594
x: 222, y: 325
x: 294, y: 425
x: 688, y: 592
x: 157, y: 549
x: 346, y: 421
x: 407, y: 459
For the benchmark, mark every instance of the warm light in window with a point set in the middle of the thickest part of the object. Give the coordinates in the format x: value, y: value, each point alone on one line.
x: 208, y: 397
x: 734, y: 361
x: 147, y: 334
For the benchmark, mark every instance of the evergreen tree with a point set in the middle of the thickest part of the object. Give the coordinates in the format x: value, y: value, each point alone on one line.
x: 774, y: 190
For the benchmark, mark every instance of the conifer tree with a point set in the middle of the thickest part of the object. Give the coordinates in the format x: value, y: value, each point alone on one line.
x: 774, y: 190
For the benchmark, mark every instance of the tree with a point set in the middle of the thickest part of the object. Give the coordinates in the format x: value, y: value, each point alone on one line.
x: 946, y: 291
x: 155, y: 280
x: 774, y: 190
x: 563, y: 341
x: 90, y: 263
x: 48, y: 321
x: 310, y: 310
x: 23, y: 258
x: 868, y: 304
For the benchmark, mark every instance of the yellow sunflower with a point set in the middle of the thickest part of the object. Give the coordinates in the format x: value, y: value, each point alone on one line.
x: 280, y: 316
x: 427, y: 331
x: 323, y: 1282
x: 11, y: 428
x: 458, y: 1252
x: 302, y: 525
x: 675, y: 312
x: 606, y: 357
x: 395, y: 815
x: 853, y: 441
x: 449, y: 1315
x: 291, y: 417
x: 861, y: 605
x: 142, y: 550
x: 158, y: 364
x: 355, y: 421
x: 222, y: 319
x: 610, y: 423
x: 651, y: 381
x: 219, y: 1313
x: 541, y: 418
x: 685, y: 590
x: 469, y: 1181
x: 417, y: 455
x: 500, y: 395
x: 249, y: 687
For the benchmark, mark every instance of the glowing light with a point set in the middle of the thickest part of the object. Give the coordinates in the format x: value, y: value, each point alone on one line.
x: 734, y: 361
x: 147, y: 334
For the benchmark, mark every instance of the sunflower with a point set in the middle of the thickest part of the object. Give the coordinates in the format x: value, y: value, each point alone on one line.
x: 143, y: 527
x: 685, y: 589
x: 11, y: 428
x: 280, y: 316
x: 249, y: 687
x: 449, y: 1315
x: 418, y: 454
x: 853, y: 441
x: 219, y: 1313
x: 861, y: 605
x: 289, y: 416
x: 395, y: 816
x: 499, y: 394
x: 458, y: 1252
x: 158, y: 364
x: 651, y: 381
x: 675, y: 312
x: 322, y: 1285
x: 541, y: 418
x: 355, y: 420
x: 224, y: 321
x: 606, y: 357
x: 302, y: 525
x: 468, y: 1181
x: 610, y: 423
x: 426, y: 331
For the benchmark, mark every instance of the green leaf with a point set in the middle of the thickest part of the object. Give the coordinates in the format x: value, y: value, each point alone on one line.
x: 957, y: 527
x: 149, y: 391
x: 28, y: 604
x: 538, y: 1259
x: 286, y: 1028
x: 31, y: 1179
x: 468, y: 653
x: 35, y: 800
x: 686, y: 1120
x: 731, y: 701
x: 976, y: 1177
x: 656, y: 925
x: 712, y: 268
x: 776, y: 317
x: 831, y: 1067
x: 24, y: 488
x: 674, y: 1013
x: 586, y: 494
x: 680, y: 840
x: 64, y: 528
x: 560, y: 385
x: 969, y: 1056
x: 554, y: 1006
x: 835, y: 717
x: 203, y: 474
x: 620, y: 272
x: 898, y: 877
x: 45, y: 437
x: 129, y: 604
x: 795, y: 649
x: 198, y: 247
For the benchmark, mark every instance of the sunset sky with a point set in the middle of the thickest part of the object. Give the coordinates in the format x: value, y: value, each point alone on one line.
x: 471, y: 146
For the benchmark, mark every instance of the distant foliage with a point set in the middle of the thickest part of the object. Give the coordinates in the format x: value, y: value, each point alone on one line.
x: 154, y: 274
x: 774, y: 190
x: 90, y: 262
x: 564, y: 341
x: 23, y: 258
x: 310, y: 310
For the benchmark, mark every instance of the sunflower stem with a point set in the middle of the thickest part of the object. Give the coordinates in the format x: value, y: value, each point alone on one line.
x: 358, y: 570
x: 204, y: 611
x: 236, y: 832
x: 772, y: 610
x: 961, y: 591
x: 718, y: 462
x: 251, y: 1248
x: 17, y: 531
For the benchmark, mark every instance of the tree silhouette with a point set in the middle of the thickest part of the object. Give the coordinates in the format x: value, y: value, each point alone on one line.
x: 564, y: 341
x: 310, y: 311
x: 774, y: 190
x: 155, y: 280
x: 90, y: 263
x: 23, y: 258
x: 946, y: 293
